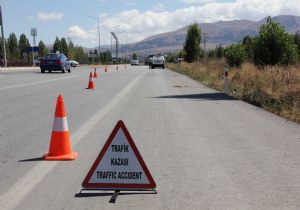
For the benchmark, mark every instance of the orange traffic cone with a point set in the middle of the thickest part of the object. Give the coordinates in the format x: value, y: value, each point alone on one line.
x: 105, y: 70
x: 60, y: 146
x: 95, y: 73
x: 91, y: 82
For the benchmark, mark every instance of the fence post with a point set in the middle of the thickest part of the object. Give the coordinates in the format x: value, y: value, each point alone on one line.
x: 226, y: 80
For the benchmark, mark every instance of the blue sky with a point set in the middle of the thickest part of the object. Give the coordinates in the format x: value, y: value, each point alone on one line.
x: 135, y: 19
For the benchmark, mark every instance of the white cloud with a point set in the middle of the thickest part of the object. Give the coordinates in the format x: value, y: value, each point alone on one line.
x: 136, y: 25
x: 80, y: 33
x: 50, y: 16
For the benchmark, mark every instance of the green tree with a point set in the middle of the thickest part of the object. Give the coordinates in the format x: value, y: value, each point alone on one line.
x: 23, y: 44
x: 71, y: 45
x: 212, y: 53
x: 274, y: 45
x: 56, y: 45
x: 249, y: 45
x: 182, y: 53
x: 297, y: 42
x: 134, y: 56
x: 171, y: 57
x: 108, y: 56
x: 235, y: 55
x: 42, y: 48
x: 220, y: 52
x: 192, y: 43
x: 80, y: 56
x: 6, y: 47
x: 64, y: 48
x: 13, y: 46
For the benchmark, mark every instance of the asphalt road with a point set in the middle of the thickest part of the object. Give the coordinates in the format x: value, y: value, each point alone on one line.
x: 203, y: 149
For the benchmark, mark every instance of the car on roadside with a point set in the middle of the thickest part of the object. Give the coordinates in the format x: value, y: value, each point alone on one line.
x: 157, y: 61
x: 73, y: 63
x: 55, y: 62
x: 37, y: 61
x: 134, y: 62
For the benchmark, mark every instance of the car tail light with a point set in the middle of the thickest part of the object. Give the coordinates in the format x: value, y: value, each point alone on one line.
x: 58, y: 62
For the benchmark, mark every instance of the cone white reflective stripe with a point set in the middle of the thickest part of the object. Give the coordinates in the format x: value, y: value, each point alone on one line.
x: 91, y: 79
x: 60, y: 124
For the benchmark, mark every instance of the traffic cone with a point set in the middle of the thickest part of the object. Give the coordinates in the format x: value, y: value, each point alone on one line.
x: 91, y: 82
x: 60, y: 146
x: 105, y: 70
x: 95, y: 73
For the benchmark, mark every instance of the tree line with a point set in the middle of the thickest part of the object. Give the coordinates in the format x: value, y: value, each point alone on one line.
x: 17, y: 52
x: 272, y: 46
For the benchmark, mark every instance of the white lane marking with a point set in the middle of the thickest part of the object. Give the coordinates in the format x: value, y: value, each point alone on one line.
x: 37, y: 83
x: 15, y: 194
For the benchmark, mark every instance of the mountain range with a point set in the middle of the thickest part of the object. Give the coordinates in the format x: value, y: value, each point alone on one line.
x: 218, y: 33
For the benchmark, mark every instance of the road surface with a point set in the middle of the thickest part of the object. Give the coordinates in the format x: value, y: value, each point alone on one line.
x: 203, y: 149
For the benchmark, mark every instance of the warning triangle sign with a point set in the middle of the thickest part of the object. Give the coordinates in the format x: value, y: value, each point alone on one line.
x: 119, y: 165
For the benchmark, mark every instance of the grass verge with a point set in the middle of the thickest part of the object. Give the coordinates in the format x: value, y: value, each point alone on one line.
x: 275, y: 88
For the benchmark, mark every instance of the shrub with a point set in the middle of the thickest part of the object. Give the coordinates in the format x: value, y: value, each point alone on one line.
x: 235, y: 55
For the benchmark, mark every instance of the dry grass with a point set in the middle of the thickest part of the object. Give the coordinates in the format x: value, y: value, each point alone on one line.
x: 276, y: 89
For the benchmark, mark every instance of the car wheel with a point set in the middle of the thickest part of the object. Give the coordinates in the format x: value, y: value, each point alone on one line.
x: 69, y: 70
x: 50, y: 71
x: 43, y: 70
x: 64, y: 69
x: 163, y: 67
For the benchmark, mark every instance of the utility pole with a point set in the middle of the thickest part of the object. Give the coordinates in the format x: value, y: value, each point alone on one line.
x: 98, y: 21
x: 111, y: 49
x: 3, y: 40
x: 33, y: 34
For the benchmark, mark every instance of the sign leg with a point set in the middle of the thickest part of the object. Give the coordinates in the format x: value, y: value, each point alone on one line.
x: 114, y: 196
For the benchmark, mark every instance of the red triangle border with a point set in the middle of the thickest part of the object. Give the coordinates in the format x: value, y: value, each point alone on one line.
x: 87, y: 185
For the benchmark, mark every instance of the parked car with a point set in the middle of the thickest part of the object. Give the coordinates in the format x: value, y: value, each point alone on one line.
x: 134, y: 62
x: 178, y: 60
x: 74, y: 63
x: 55, y: 62
x: 37, y: 61
x: 157, y: 61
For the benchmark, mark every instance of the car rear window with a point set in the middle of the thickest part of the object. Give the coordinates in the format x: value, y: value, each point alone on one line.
x: 52, y: 56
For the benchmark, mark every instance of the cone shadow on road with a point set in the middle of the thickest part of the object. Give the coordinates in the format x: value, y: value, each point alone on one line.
x: 32, y: 159
x: 201, y: 96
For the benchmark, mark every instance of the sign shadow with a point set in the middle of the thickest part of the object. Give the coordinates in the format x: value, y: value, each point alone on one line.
x: 86, y: 193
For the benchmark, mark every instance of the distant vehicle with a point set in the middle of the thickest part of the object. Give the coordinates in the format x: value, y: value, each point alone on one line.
x: 55, y: 62
x: 157, y: 61
x: 37, y: 61
x: 73, y: 63
x: 134, y: 62
x: 179, y: 60
x: 148, y: 60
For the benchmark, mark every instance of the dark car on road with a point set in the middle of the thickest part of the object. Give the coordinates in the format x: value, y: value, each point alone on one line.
x: 148, y: 60
x: 55, y: 62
